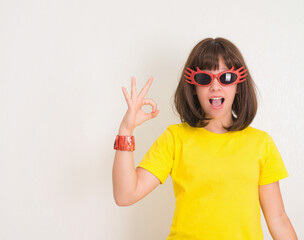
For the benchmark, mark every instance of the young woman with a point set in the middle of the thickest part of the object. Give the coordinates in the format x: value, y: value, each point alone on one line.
x: 222, y: 169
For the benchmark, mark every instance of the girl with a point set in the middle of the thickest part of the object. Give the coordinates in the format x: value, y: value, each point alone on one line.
x: 222, y: 169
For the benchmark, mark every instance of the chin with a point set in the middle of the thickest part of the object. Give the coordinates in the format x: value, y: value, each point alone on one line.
x: 219, y: 113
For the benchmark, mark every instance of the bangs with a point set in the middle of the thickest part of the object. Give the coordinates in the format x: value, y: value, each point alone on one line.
x: 208, y: 57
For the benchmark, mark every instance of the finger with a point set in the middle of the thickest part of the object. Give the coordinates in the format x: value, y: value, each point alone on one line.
x: 150, y: 102
x: 155, y: 113
x: 145, y: 89
x: 125, y: 93
x: 152, y: 114
x: 133, y: 88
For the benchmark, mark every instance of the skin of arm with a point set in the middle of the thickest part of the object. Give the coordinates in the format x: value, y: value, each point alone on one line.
x: 273, y: 209
x: 130, y: 184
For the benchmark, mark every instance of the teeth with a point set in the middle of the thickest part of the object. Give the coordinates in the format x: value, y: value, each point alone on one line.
x: 216, y: 98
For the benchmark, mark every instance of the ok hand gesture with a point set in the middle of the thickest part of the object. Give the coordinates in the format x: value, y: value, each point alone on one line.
x: 135, y: 115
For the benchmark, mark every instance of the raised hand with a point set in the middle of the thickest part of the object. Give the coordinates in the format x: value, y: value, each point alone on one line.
x: 135, y: 115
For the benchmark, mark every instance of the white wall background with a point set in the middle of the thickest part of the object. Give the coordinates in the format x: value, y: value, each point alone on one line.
x: 62, y: 65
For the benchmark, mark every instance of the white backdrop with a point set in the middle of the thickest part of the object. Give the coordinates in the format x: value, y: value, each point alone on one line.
x: 62, y: 65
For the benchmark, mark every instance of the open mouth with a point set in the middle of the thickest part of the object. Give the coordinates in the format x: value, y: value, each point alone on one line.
x: 216, y: 102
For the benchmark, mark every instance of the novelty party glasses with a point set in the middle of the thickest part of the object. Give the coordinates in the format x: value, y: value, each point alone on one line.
x: 226, y: 78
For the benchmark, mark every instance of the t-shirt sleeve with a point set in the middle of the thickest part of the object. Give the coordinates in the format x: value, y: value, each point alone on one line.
x: 272, y: 167
x: 159, y: 158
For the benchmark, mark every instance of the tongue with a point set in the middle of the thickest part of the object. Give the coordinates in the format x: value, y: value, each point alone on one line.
x: 216, y: 102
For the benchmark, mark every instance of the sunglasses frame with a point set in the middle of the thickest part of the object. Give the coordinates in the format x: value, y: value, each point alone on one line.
x: 241, y: 74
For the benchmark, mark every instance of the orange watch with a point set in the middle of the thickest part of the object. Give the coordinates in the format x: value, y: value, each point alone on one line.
x: 124, y: 143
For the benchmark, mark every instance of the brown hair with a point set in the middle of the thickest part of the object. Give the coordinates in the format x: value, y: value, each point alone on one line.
x: 205, y: 55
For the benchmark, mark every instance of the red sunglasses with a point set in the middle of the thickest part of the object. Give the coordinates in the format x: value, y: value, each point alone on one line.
x: 226, y: 78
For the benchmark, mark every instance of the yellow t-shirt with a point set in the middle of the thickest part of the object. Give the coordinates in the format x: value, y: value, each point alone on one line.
x: 215, y: 179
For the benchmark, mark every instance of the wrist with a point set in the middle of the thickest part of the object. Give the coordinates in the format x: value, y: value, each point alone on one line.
x: 125, y: 132
x: 124, y: 143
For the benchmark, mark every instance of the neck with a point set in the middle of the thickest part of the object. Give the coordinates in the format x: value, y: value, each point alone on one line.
x: 215, y: 126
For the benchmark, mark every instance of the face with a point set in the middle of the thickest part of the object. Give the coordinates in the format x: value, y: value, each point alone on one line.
x: 219, y: 109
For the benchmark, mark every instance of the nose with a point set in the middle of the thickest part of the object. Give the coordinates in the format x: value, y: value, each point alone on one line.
x: 215, y: 85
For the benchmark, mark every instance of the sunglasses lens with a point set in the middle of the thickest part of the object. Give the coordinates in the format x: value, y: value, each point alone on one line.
x: 228, y: 78
x: 202, y: 78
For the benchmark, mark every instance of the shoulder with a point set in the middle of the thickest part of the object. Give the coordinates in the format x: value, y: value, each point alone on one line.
x: 255, y: 133
x: 180, y: 129
x: 260, y: 137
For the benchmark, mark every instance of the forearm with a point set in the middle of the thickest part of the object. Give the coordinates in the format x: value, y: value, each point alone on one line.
x: 282, y: 229
x: 124, y: 177
x: 124, y: 174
